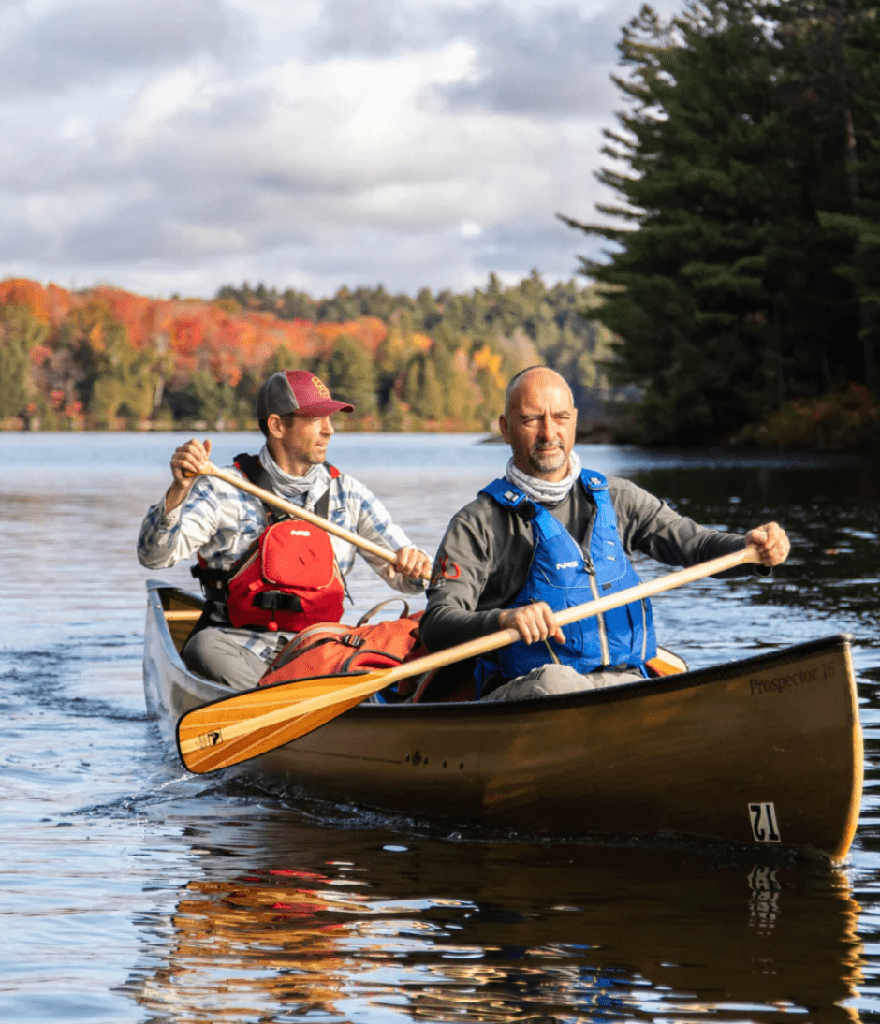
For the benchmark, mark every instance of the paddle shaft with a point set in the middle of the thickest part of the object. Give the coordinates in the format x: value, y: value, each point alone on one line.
x: 301, y: 513
x: 473, y: 648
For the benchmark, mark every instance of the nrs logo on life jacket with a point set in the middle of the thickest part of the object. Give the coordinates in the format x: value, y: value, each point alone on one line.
x: 289, y: 581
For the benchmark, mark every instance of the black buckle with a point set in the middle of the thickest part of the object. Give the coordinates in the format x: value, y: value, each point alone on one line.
x: 275, y: 600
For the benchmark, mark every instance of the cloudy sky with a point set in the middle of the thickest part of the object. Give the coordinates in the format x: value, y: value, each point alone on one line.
x: 178, y: 145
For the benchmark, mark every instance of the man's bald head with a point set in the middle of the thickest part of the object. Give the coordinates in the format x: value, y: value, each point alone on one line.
x: 533, y: 375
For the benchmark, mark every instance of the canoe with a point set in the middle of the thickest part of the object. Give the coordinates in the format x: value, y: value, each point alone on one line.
x: 765, y: 752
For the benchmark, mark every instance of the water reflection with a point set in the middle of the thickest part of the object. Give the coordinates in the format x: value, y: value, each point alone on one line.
x: 500, y: 931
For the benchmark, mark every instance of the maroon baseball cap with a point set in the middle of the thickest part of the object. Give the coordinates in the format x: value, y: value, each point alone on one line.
x: 296, y: 391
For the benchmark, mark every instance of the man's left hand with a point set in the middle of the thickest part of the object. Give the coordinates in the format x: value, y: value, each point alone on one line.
x: 772, y: 543
x: 412, y: 563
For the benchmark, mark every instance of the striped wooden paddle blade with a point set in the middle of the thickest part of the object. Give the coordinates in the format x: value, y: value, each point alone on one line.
x: 235, y: 729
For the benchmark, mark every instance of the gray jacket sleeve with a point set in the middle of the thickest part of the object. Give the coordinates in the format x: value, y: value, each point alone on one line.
x: 479, y: 569
x: 649, y: 526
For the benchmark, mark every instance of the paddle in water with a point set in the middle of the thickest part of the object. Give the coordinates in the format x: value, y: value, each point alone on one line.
x: 235, y: 729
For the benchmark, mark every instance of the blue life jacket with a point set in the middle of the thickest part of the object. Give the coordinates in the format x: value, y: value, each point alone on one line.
x: 560, y: 576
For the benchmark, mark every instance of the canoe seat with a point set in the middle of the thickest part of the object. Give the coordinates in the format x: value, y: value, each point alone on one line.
x: 665, y: 663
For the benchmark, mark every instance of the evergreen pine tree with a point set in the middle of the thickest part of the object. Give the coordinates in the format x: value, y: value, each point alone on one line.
x: 351, y: 375
x: 723, y: 285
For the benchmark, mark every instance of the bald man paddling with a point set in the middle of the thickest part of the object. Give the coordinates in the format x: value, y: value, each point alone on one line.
x: 549, y: 535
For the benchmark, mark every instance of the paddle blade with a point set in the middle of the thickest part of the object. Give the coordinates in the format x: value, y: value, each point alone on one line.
x: 248, y: 724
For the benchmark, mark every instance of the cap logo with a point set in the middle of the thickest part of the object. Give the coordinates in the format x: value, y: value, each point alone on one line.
x: 320, y: 387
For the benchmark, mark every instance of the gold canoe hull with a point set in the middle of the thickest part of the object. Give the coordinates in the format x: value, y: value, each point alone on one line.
x: 766, y: 751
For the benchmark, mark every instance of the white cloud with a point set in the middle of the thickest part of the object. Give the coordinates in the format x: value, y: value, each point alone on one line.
x: 177, y: 145
x: 168, y: 95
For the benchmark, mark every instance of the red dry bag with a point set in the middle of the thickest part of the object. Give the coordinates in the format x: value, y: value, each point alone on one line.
x: 290, y: 580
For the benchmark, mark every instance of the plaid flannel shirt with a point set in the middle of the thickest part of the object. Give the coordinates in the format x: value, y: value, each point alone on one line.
x: 220, y: 522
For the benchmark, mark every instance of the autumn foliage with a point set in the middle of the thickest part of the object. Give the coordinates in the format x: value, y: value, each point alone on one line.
x: 105, y: 358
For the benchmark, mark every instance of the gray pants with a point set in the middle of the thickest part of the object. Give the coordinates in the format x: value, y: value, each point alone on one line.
x: 550, y: 680
x: 220, y: 654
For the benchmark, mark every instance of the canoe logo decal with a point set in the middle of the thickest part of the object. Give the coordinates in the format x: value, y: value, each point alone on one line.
x: 210, y: 739
x: 819, y: 673
x: 764, y: 827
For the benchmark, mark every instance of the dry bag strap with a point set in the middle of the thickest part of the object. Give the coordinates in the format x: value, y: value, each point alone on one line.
x: 365, y: 618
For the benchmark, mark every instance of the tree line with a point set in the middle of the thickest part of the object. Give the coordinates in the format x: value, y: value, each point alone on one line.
x: 738, y: 299
x: 104, y: 358
x: 742, y: 277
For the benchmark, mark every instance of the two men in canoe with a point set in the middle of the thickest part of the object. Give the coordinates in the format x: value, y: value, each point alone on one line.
x: 547, y: 536
x: 550, y: 535
x: 223, y: 523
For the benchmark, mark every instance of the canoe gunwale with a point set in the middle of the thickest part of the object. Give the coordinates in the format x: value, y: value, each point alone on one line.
x: 613, y: 694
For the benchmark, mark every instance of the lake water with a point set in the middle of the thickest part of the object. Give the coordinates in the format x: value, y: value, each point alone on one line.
x: 134, y: 892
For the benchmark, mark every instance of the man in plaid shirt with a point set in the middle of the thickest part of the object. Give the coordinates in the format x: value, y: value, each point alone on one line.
x: 206, y: 515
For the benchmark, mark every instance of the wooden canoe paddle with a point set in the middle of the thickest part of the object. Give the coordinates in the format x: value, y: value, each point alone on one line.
x: 209, y: 469
x: 234, y: 729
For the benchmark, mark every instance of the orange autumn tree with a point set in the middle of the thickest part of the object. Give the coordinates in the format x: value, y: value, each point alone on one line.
x: 106, y: 358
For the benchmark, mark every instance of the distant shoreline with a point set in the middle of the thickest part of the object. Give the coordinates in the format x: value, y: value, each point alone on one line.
x: 595, y: 435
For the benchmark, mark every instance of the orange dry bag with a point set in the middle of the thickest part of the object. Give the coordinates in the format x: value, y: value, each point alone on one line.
x: 333, y: 648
